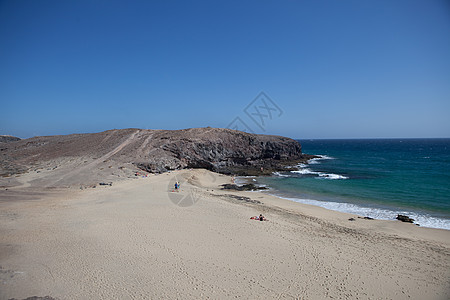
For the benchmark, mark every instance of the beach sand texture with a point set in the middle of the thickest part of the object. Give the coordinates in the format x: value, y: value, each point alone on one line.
x: 131, y: 241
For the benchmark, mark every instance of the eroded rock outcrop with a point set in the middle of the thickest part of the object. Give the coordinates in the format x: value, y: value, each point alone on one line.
x: 78, y: 158
x: 8, y: 139
x: 222, y: 150
x: 405, y: 219
x: 244, y: 187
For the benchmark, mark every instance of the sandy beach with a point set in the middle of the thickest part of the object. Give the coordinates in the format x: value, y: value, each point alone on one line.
x: 137, y: 239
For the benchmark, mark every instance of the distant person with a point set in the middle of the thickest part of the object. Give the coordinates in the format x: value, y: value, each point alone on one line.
x: 259, y: 218
x: 176, y: 186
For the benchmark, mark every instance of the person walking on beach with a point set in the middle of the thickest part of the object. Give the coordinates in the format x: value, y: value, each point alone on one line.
x: 176, y: 186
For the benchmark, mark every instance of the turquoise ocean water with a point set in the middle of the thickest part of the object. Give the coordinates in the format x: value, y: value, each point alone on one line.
x: 379, y: 178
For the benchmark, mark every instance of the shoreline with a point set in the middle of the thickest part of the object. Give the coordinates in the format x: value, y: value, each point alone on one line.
x: 376, y: 211
x: 421, y: 218
x: 314, y: 210
x: 130, y: 240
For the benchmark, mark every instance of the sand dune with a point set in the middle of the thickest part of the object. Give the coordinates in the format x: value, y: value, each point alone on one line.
x: 131, y: 241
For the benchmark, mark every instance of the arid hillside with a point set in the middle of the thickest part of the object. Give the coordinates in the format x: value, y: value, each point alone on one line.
x: 78, y: 159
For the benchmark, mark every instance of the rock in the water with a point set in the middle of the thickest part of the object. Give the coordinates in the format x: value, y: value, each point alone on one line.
x: 405, y: 219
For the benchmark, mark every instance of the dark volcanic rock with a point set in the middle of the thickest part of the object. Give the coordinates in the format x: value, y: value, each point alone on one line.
x: 366, y: 218
x: 245, y: 187
x: 405, y: 219
x: 221, y: 150
x: 8, y: 139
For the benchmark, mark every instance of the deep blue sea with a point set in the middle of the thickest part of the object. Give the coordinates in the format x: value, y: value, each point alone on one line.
x: 379, y: 178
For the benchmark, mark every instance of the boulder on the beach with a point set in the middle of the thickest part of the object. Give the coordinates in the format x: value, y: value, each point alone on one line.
x: 366, y: 218
x: 405, y: 219
x: 245, y: 187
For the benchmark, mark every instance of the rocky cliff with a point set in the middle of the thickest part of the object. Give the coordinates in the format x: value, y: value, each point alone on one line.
x: 156, y: 151
x: 8, y: 139
x: 221, y: 150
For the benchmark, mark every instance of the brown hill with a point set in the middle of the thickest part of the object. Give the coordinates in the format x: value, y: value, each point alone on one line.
x: 107, y: 156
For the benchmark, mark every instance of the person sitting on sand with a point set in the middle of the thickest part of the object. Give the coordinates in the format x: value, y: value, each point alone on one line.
x: 259, y: 218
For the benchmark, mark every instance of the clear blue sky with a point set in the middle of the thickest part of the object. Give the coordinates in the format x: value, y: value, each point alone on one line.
x: 336, y: 69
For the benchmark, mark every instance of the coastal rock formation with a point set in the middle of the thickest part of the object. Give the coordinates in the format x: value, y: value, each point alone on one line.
x: 405, y: 219
x: 8, y: 138
x: 105, y: 156
x: 221, y: 150
x: 245, y: 187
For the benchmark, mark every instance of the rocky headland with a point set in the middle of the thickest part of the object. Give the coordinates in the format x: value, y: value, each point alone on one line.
x: 92, y: 157
x: 8, y: 138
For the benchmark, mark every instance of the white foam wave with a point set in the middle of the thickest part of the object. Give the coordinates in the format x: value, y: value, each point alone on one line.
x: 241, y: 180
x: 326, y: 157
x: 424, y: 220
x: 304, y: 171
x: 316, y: 160
x: 321, y: 175
x: 332, y: 176
x: 281, y: 175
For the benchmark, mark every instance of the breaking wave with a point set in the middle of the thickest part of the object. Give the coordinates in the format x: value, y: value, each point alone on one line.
x: 321, y: 175
x: 424, y: 220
